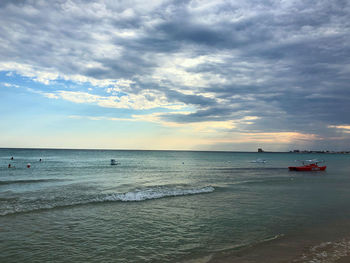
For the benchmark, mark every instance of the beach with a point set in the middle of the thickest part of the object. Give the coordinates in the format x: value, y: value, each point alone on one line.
x: 171, y: 206
x: 326, y: 244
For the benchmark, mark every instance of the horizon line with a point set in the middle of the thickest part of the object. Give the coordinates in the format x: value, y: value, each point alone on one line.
x: 169, y: 150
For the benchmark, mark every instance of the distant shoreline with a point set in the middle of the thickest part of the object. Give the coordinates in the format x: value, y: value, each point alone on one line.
x: 331, y: 152
x: 93, y: 149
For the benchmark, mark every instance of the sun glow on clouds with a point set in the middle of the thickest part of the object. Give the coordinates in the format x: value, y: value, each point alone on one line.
x: 280, y: 137
x: 342, y: 128
x: 208, y: 126
x: 230, y: 131
x: 205, y: 126
x: 217, y: 128
x: 210, y: 133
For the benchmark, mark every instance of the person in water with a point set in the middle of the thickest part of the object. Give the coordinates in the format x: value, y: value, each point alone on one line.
x: 11, y: 157
x: 9, y: 166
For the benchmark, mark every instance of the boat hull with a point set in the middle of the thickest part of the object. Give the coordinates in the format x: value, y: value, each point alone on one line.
x: 307, y: 168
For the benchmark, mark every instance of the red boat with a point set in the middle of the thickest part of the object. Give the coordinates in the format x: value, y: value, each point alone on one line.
x: 309, y: 165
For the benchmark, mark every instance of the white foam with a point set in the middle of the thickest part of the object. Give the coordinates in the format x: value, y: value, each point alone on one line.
x: 154, y: 193
x: 133, y: 196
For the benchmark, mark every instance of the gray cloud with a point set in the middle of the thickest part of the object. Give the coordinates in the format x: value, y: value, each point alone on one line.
x: 288, y: 64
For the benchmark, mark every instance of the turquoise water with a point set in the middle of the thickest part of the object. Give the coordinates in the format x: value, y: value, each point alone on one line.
x: 159, y: 206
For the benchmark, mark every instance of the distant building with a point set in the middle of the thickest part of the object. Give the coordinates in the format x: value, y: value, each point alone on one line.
x: 260, y: 150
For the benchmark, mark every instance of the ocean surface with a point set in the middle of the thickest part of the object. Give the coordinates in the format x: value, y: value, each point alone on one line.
x: 171, y: 206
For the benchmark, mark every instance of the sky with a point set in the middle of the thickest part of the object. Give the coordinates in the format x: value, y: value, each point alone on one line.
x: 175, y: 75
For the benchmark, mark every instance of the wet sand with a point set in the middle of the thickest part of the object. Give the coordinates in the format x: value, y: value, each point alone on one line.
x: 270, y: 252
x: 321, y: 244
x: 345, y: 259
x: 283, y: 252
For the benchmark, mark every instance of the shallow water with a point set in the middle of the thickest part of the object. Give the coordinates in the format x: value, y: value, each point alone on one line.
x: 161, y: 206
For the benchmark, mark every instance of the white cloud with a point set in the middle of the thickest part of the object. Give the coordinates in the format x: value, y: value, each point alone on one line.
x: 146, y: 99
x: 10, y: 85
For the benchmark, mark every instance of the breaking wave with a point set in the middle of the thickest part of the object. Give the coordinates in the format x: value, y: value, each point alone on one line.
x: 155, y: 193
x: 20, y: 206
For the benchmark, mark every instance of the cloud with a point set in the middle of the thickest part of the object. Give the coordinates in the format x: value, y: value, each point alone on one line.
x: 342, y: 128
x: 145, y: 100
x: 212, y: 132
x: 100, y: 118
x: 285, y: 62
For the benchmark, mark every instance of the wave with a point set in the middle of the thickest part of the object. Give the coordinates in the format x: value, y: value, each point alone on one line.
x: 29, y: 181
x: 271, y: 180
x: 155, y: 193
x: 252, y: 244
x: 228, y: 169
x: 132, y: 196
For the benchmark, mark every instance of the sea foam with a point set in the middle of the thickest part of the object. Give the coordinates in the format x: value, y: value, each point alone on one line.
x: 21, y: 206
x: 155, y: 193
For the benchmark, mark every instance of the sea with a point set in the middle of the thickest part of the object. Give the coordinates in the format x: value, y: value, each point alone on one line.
x: 172, y: 206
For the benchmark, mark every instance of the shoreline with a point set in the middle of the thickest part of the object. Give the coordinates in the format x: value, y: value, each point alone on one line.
x: 322, y: 244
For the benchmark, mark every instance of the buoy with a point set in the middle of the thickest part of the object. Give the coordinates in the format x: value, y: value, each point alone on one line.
x: 28, y: 165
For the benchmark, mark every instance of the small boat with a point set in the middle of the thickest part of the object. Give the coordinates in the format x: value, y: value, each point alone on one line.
x: 258, y: 161
x: 114, y: 162
x: 308, y: 165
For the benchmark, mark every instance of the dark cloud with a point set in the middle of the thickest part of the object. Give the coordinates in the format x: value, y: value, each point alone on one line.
x: 210, y: 114
x: 190, y: 99
x: 198, y: 34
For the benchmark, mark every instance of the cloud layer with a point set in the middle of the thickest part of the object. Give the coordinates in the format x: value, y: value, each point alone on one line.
x: 284, y: 63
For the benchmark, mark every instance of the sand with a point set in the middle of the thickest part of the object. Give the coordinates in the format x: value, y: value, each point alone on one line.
x: 331, y: 245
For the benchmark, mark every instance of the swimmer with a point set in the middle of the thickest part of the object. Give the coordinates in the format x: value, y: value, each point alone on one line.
x: 9, y: 166
x: 11, y: 157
